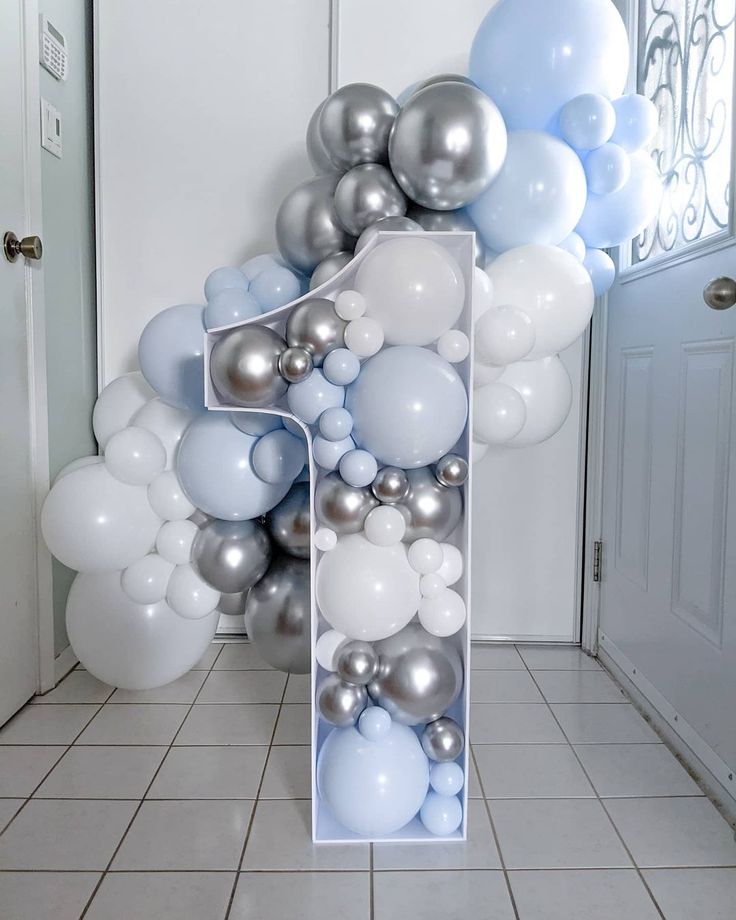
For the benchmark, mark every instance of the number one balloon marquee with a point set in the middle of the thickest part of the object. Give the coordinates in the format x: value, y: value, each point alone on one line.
x: 296, y: 451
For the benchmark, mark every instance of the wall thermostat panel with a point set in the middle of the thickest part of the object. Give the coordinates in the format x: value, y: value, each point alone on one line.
x: 53, y: 49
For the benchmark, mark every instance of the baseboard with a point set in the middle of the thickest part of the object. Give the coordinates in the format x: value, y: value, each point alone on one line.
x: 64, y: 663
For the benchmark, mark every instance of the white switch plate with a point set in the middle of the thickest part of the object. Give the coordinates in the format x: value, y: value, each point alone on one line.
x: 50, y: 128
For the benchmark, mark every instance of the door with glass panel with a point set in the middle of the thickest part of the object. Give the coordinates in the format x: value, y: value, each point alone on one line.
x: 668, y: 595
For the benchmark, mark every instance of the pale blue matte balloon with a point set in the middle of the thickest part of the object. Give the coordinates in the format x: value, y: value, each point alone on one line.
x: 636, y: 121
x: 327, y: 454
x: 214, y: 466
x: 335, y: 424
x: 279, y: 456
x: 252, y: 268
x: 257, y: 423
x: 341, y: 366
x: 601, y: 269
x: 171, y: 355
x: 587, y: 121
x: 374, y: 723
x: 309, y: 399
x: 222, y: 279
x: 575, y: 245
x: 358, y: 468
x: 274, y: 287
x: 446, y: 778
x: 230, y: 305
x: 409, y: 406
x: 606, y: 169
x: 441, y: 814
x: 293, y: 426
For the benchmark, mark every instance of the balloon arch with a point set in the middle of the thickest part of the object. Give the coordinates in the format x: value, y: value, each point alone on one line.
x: 297, y: 450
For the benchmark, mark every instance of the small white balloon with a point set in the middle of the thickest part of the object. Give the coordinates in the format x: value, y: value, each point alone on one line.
x: 174, y: 541
x: 444, y: 614
x: 452, y: 566
x: 453, y: 346
x: 503, y: 336
x: 485, y: 373
x: 118, y: 403
x: 190, y: 596
x: 432, y: 584
x: 167, y: 422
x: 425, y: 556
x: 145, y: 581
x: 328, y: 648
x: 325, y: 539
x: 385, y: 525
x: 364, y: 336
x: 499, y: 413
x: 482, y: 293
x: 167, y: 497
x: 478, y: 450
x: 135, y: 455
x: 349, y: 305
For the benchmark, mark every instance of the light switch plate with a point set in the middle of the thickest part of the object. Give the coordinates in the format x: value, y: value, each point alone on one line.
x: 50, y: 128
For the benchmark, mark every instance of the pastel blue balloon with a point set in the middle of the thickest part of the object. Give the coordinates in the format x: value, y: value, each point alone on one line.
x: 575, y: 245
x: 409, y: 406
x: 532, y: 56
x: 636, y: 121
x: 537, y: 197
x: 587, y: 121
x: 279, y: 456
x: 274, y: 287
x: 171, y: 355
x: 214, y: 466
x: 293, y: 426
x: 328, y: 454
x: 442, y: 815
x: 358, y: 468
x: 606, y: 169
x: 309, y: 399
x: 601, y: 269
x: 223, y: 279
x: 446, y: 778
x: 374, y: 723
x: 341, y: 366
x: 230, y: 305
x: 252, y: 268
x: 335, y: 424
x: 257, y: 423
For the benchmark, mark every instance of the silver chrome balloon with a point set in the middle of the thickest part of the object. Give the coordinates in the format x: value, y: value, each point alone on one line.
x: 278, y: 615
x: 339, y: 702
x: 447, y: 145
x: 419, y: 675
x: 244, y: 365
x: 329, y: 267
x: 314, y: 326
x: 295, y: 364
x: 355, y: 124
x: 448, y: 222
x: 288, y: 522
x: 232, y: 605
x: 231, y: 556
x: 318, y: 156
x: 451, y: 470
x: 385, y: 223
x: 365, y: 194
x: 307, y: 228
x: 357, y: 663
x: 429, y: 509
x: 443, y: 740
x: 390, y: 485
x: 341, y: 507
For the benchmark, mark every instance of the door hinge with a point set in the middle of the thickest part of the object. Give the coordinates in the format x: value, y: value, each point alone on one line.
x: 597, y: 559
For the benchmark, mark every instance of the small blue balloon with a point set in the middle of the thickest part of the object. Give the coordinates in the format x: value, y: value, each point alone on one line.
x: 328, y: 454
x: 309, y: 399
x: 274, y: 287
x: 230, y: 305
x: 636, y: 121
x: 575, y: 245
x: 341, y: 367
x: 358, y: 468
x: 601, y: 269
x: 446, y: 778
x: 373, y: 723
x: 607, y: 169
x: 253, y: 267
x: 171, y: 355
x: 223, y: 279
x: 279, y: 456
x: 335, y: 424
x: 587, y: 121
x: 442, y: 815
x: 257, y: 423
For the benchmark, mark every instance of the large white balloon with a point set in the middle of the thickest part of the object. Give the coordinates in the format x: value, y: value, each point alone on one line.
x: 77, y: 465
x: 135, y: 455
x: 92, y: 522
x: 545, y: 387
x: 552, y: 287
x: 167, y: 422
x: 118, y: 403
x: 499, y: 413
x: 131, y: 645
x: 366, y: 591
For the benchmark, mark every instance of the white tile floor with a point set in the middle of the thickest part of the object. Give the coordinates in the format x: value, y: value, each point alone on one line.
x: 191, y: 802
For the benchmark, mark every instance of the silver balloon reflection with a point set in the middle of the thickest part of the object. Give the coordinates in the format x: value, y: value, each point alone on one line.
x: 278, y: 615
x: 339, y: 702
x: 314, y: 326
x: 390, y: 485
x: 419, y: 675
x: 244, y: 365
x: 447, y: 145
x: 449, y: 222
x: 341, y: 507
x: 232, y: 605
x: 443, y: 740
x: 288, y: 522
x: 328, y: 268
x: 307, y: 228
x: 358, y: 663
x: 355, y: 124
x: 295, y: 364
x: 318, y: 156
x: 451, y: 470
x: 366, y: 194
x: 430, y: 509
x: 231, y: 556
x: 385, y: 223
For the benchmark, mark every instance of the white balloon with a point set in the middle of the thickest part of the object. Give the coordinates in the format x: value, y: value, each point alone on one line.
x: 385, y: 526
x: 92, y: 522
x: 503, y: 336
x: 552, y: 287
x: 167, y: 497
x: 366, y: 591
x: 167, y: 422
x: 145, y: 581
x: 325, y: 539
x: 499, y: 413
x: 135, y: 455
x: 425, y: 555
x: 485, y: 373
x: 452, y: 566
x: 118, y: 403
x: 175, y: 539
x: 364, y: 336
x: 546, y: 390
x: 78, y: 465
x: 444, y: 614
x: 130, y: 645
x: 432, y: 584
x: 349, y: 305
x: 482, y: 293
x: 190, y: 596
x: 478, y: 450
x: 414, y: 288
x: 328, y: 648
x: 453, y: 346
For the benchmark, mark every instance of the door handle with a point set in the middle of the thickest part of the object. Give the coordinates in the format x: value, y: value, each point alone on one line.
x: 720, y: 293
x: 30, y: 247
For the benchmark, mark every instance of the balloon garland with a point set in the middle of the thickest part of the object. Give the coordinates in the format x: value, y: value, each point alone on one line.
x: 360, y: 455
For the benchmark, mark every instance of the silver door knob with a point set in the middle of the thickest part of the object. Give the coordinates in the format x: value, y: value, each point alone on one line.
x: 30, y: 247
x: 720, y: 293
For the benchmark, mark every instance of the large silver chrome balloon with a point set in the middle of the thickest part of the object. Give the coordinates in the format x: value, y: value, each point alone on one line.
x: 357, y: 663
x: 447, y: 145
x: 295, y: 364
x: 390, y: 485
x: 419, y: 675
x: 231, y: 556
x: 385, y: 223
x: 430, y: 509
x: 339, y: 702
x: 318, y: 156
x: 307, y: 228
x: 314, y: 326
x: 341, y: 507
x: 443, y: 740
x: 355, y: 124
x: 288, y: 522
x: 244, y: 365
x: 328, y: 268
x: 451, y: 470
x: 278, y: 615
x: 448, y: 222
x: 366, y: 194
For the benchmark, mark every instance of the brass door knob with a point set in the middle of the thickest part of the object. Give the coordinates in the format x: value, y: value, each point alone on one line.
x: 720, y: 293
x: 30, y: 247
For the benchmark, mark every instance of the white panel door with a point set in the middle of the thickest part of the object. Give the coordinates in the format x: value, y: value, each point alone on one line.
x: 668, y: 601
